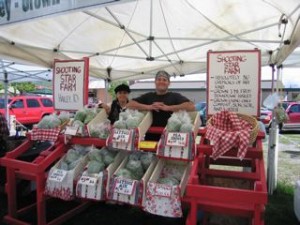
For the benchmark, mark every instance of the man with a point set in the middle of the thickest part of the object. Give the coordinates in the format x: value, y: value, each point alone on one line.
x: 162, y: 103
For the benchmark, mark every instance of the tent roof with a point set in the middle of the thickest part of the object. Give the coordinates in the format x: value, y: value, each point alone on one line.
x: 133, y: 40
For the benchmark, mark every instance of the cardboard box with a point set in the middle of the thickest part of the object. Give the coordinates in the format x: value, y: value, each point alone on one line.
x: 134, y: 191
x: 164, y: 199
x: 128, y: 139
x: 60, y: 183
x: 180, y: 145
x: 96, y: 187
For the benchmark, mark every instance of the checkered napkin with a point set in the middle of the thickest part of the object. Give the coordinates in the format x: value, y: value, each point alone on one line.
x: 228, y: 131
x: 38, y: 134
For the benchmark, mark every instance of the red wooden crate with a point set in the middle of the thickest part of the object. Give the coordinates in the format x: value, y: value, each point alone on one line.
x: 201, y: 195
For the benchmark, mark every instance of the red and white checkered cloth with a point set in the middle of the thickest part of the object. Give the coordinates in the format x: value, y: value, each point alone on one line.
x: 38, y: 134
x: 228, y: 131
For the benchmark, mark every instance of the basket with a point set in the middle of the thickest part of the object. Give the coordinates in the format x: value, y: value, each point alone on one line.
x: 249, y: 119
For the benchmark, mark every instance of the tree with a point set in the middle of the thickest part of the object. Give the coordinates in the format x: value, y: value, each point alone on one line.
x: 23, y: 87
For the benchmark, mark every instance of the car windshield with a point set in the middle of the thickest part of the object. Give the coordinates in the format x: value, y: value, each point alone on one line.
x: 285, y: 105
x: 2, y: 103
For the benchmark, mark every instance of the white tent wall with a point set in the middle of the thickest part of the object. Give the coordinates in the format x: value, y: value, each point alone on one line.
x: 137, y: 38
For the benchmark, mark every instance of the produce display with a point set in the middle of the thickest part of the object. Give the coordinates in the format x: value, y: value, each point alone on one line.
x: 49, y: 122
x: 129, y: 119
x: 85, y: 115
x: 72, y: 157
x: 100, y: 130
x: 179, y: 122
x: 99, y: 159
x: 171, y: 174
x: 136, y: 165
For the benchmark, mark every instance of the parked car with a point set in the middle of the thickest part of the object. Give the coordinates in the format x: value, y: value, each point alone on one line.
x: 201, y: 108
x: 293, y: 111
x: 28, y: 109
x: 266, y: 117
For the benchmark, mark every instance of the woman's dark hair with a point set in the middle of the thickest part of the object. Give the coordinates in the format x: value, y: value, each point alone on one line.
x: 122, y: 87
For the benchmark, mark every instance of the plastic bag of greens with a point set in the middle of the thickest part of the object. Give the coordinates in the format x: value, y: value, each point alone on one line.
x: 95, y: 167
x: 168, y: 180
x: 90, y: 114
x: 146, y: 160
x: 132, y: 122
x: 124, y: 173
x: 64, y: 117
x: 136, y: 169
x: 80, y: 115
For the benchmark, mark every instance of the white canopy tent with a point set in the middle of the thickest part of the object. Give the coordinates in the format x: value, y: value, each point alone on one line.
x: 133, y: 40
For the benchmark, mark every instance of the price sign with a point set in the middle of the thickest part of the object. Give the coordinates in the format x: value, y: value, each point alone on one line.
x: 177, y: 139
x: 121, y: 135
x: 163, y: 190
x: 124, y: 186
x: 70, y: 130
x: 58, y: 175
x: 86, y: 180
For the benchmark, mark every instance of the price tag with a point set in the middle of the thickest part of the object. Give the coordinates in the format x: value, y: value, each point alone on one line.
x: 70, y: 130
x: 163, y: 190
x: 58, y: 175
x: 124, y: 186
x: 86, y: 180
x: 177, y: 139
x: 121, y: 135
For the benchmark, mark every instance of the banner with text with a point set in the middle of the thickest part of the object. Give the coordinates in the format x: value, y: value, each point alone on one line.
x: 234, y: 79
x: 70, y: 84
x: 12, y: 11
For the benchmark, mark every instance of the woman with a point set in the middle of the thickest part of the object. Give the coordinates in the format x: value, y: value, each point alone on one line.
x: 119, y: 104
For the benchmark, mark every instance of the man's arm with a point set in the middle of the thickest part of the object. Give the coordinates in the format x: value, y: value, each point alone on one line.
x: 188, y: 106
x: 139, y: 106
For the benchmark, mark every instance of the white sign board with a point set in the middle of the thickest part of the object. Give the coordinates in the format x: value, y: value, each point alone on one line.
x: 124, y: 186
x: 58, y: 175
x: 234, y: 82
x: 12, y: 11
x: 70, y: 84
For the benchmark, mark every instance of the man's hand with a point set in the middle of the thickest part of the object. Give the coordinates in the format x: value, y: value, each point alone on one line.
x: 160, y: 106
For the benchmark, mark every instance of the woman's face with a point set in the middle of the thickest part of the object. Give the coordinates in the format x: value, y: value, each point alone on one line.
x: 122, y: 96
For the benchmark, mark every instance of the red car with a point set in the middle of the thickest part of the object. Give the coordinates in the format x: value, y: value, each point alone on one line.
x: 266, y: 117
x: 28, y: 109
x: 293, y: 111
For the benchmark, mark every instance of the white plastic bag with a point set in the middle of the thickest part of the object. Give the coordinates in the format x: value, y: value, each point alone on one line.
x: 271, y: 101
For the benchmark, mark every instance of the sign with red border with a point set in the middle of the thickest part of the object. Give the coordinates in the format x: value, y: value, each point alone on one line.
x: 233, y: 81
x: 70, y: 84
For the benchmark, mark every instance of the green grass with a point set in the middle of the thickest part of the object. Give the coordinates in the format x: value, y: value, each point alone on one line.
x: 279, y: 210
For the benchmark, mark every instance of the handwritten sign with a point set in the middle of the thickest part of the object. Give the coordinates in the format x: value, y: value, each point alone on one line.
x: 70, y: 81
x: 121, y: 135
x: 177, y: 139
x: 163, y: 190
x: 234, y: 82
x: 70, y: 130
x: 124, y: 186
x: 58, y: 175
x: 86, y: 180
